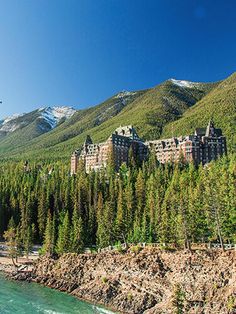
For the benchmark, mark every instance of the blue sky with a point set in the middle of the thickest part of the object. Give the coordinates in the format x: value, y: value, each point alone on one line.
x: 80, y: 52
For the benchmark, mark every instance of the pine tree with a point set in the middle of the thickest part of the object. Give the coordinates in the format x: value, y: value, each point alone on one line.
x: 77, y: 233
x: 42, y: 212
x: 140, y: 198
x: 49, y: 235
x: 212, y: 207
x: 105, y: 232
x: 121, y: 217
x: 63, y: 242
x: 129, y: 205
x: 151, y: 210
x: 10, y: 237
x: 28, y: 240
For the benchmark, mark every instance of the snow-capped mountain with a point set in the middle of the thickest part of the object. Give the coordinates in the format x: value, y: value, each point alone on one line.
x: 54, y: 115
x: 187, y: 84
x: 44, y: 119
x: 8, y: 124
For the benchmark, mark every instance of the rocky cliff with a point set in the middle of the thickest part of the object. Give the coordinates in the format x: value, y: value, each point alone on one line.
x: 150, y: 281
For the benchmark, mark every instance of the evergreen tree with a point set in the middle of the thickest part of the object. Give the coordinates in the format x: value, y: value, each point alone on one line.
x: 63, y: 242
x: 77, y: 233
x: 28, y: 240
x: 10, y: 237
x: 121, y: 217
x: 49, y: 235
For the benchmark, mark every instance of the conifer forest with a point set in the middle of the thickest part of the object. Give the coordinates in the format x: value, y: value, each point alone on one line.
x: 172, y: 203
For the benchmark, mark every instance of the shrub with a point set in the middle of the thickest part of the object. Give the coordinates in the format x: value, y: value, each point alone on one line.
x: 104, y: 280
x: 135, y: 249
x: 231, y: 303
x: 178, y: 299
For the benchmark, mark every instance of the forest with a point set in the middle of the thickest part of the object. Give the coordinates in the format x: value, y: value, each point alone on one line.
x: 153, y: 203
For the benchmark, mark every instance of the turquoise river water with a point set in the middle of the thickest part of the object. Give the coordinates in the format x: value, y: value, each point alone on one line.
x: 31, y: 298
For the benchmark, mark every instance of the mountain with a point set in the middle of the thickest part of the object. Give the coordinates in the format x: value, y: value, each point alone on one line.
x: 18, y: 129
x: 147, y: 110
x: 46, y: 118
x: 219, y: 104
x: 37, y: 136
x: 9, y: 124
x: 173, y: 106
x: 159, y: 105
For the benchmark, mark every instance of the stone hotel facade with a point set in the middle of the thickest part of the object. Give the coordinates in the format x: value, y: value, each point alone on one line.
x: 204, y: 145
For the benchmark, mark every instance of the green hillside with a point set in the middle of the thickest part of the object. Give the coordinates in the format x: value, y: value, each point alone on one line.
x: 173, y: 106
x: 219, y: 104
x: 82, y: 120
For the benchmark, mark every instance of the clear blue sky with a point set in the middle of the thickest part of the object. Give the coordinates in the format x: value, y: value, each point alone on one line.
x: 80, y: 52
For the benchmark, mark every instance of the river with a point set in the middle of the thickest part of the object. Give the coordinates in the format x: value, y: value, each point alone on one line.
x: 27, y: 298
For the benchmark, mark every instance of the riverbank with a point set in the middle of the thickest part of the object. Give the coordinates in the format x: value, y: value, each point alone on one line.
x: 22, y: 264
x: 24, y: 272
x: 150, y: 281
x: 23, y: 298
x: 6, y: 265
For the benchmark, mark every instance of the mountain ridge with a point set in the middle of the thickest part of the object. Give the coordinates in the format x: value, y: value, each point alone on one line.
x: 153, y: 112
x: 21, y: 128
x: 52, y: 115
x: 219, y: 104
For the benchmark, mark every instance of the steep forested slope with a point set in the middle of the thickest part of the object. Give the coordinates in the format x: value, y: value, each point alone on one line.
x: 219, y: 104
x: 19, y: 142
x: 149, y: 111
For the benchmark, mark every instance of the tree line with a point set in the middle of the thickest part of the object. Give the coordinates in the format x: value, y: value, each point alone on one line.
x: 172, y: 203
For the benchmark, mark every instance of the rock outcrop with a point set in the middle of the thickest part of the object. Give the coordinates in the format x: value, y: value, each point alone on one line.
x: 150, y: 281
